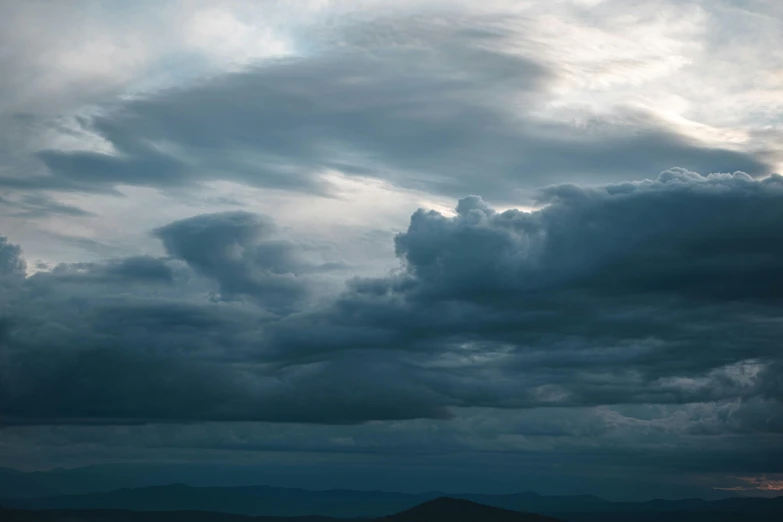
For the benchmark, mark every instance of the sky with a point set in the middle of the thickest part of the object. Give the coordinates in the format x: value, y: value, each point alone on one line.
x: 413, y: 245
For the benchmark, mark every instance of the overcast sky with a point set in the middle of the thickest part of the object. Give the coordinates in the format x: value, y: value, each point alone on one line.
x: 421, y: 244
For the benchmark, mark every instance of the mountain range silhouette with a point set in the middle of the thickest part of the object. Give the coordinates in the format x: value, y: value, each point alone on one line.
x: 178, y: 502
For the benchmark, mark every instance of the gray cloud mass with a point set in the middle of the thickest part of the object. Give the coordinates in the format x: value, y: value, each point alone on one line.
x: 651, y: 292
x: 422, y: 113
x: 210, y: 251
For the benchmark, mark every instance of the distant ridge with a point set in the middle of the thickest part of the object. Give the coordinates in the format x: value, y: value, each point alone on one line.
x: 442, y: 509
x: 449, y: 509
x: 19, y: 515
x: 286, y: 502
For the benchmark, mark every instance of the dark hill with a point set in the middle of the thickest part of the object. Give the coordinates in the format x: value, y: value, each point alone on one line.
x: 446, y: 509
x: 286, y: 502
x: 438, y: 510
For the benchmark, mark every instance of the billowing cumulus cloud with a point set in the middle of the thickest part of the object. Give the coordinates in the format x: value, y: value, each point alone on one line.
x: 635, y: 293
x: 133, y: 331
x: 224, y: 248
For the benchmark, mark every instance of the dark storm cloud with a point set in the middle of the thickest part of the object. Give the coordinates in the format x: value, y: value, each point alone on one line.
x: 241, y: 252
x: 674, y: 236
x: 11, y: 262
x: 120, y: 387
x: 661, y: 291
x: 140, y: 339
x: 125, y: 271
x: 140, y: 267
x: 438, y: 110
x: 169, y: 362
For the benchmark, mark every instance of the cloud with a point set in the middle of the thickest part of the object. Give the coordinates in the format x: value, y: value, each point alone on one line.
x: 760, y: 483
x: 130, y: 270
x: 140, y: 267
x: 239, y: 250
x: 632, y: 293
x: 141, y: 339
x: 30, y: 206
x: 624, y: 324
x: 130, y: 363
x: 11, y: 262
x: 444, y: 109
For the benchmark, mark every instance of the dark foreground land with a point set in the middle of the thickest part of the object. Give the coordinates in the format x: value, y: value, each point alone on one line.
x: 266, y: 501
x: 443, y: 509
